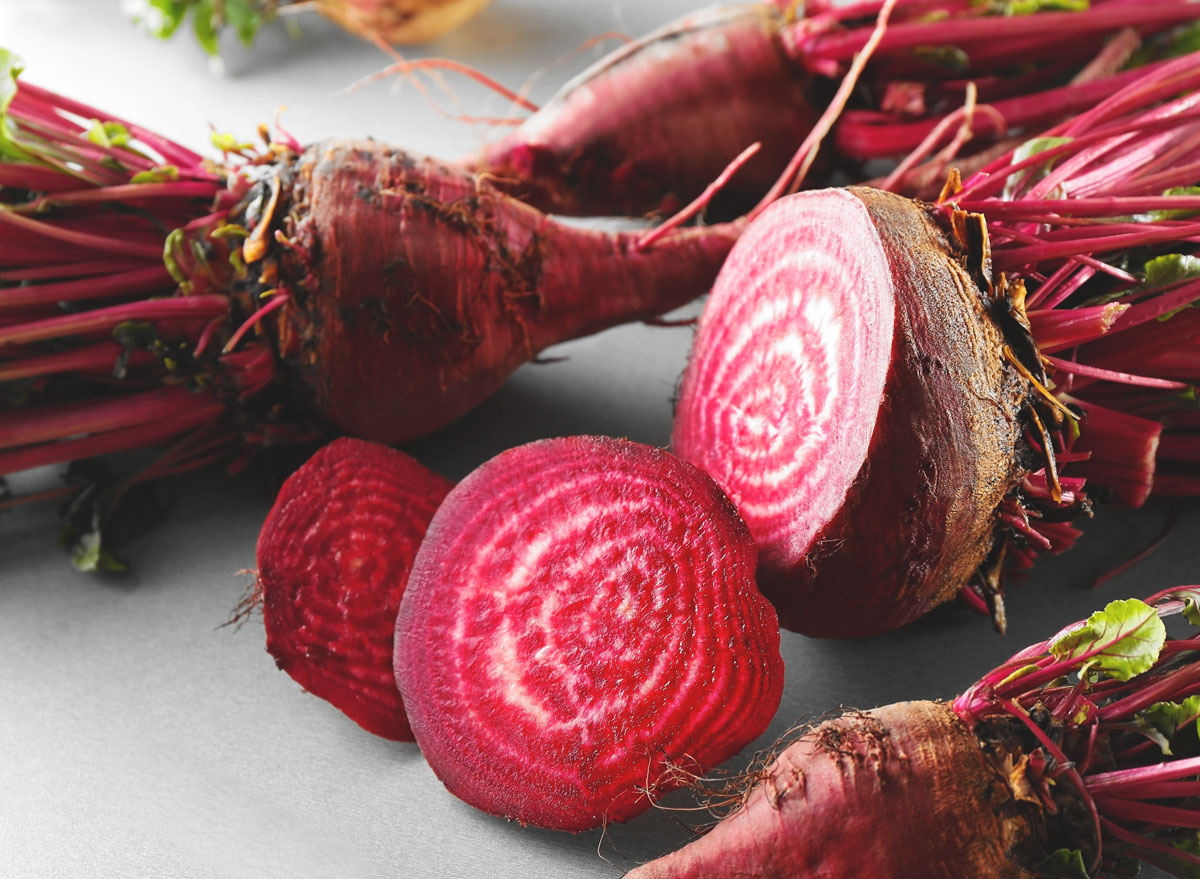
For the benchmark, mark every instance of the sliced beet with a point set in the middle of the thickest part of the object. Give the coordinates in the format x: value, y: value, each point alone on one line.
x: 334, y: 557
x: 848, y: 389
x: 582, y: 615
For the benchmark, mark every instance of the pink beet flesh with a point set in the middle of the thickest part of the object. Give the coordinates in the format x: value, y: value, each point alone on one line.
x: 784, y: 385
x: 848, y: 389
x: 581, y: 614
x: 333, y: 560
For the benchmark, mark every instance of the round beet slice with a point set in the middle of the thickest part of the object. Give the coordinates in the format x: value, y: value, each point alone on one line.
x: 334, y: 557
x: 582, y: 615
x: 848, y: 388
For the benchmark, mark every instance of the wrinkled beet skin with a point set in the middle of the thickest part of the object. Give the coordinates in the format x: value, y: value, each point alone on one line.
x: 901, y: 792
x: 651, y: 125
x: 920, y: 517
x: 416, y: 291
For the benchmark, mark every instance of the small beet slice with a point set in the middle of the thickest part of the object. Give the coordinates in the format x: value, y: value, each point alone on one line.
x: 334, y: 556
x: 848, y: 389
x: 581, y: 615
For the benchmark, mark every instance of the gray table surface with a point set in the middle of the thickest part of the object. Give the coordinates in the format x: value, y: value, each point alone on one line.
x: 139, y: 739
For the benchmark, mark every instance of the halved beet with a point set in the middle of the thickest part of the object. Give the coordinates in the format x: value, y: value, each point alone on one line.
x: 581, y: 616
x: 334, y: 557
x: 848, y: 388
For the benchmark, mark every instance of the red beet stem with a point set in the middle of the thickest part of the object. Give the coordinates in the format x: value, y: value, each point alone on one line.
x: 962, y: 32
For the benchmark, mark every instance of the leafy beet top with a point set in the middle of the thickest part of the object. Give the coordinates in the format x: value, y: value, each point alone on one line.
x: 582, y: 618
x: 333, y: 559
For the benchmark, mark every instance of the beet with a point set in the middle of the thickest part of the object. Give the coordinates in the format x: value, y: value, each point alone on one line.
x: 646, y: 128
x: 346, y: 288
x: 847, y: 388
x: 658, y: 141
x: 1031, y: 772
x: 906, y: 399
x: 820, y: 807
x: 334, y: 556
x: 580, y: 621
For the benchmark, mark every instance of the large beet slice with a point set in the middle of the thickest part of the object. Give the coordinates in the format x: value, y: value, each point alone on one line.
x: 581, y: 615
x: 334, y: 557
x: 848, y: 389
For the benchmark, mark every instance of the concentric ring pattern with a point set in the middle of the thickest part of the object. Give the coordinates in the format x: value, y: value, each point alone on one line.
x: 582, y: 614
x: 787, y: 371
x: 333, y: 560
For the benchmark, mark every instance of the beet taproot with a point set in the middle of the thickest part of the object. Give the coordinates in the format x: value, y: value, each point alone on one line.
x: 334, y: 556
x: 647, y: 127
x: 581, y: 621
x: 343, y: 288
x: 1031, y: 772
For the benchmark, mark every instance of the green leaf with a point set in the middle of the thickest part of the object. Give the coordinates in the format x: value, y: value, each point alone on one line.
x: 82, y: 535
x: 1191, y: 845
x: 1169, y: 717
x: 1031, y: 175
x: 1029, y: 7
x: 11, y: 67
x: 1172, y: 213
x: 1171, y: 268
x: 947, y: 57
x: 108, y: 134
x: 159, y: 174
x: 227, y: 142
x: 1065, y: 862
x: 1121, y: 641
x: 245, y: 18
x: 163, y: 17
x: 1189, y: 595
x: 204, y: 26
x: 1174, y: 43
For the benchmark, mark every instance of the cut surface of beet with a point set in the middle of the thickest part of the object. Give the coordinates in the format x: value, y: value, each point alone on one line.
x: 782, y: 392
x: 582, y: 615
x: 334, y: 557
x: 848, y: 388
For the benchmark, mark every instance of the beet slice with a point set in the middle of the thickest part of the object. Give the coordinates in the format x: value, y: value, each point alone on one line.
x: 334, y: 556
x: 847, y: 387
x: 582, y: 615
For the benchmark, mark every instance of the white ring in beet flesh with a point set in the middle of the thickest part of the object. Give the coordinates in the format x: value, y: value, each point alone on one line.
x: 787, y: 371
x: 581, y: 614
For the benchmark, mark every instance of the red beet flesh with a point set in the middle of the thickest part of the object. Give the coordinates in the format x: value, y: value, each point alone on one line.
x: 334, y: 557
x: 581, y: 614
x: 847, y: 389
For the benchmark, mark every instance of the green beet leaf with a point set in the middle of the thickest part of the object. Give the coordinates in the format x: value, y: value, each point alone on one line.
x: 1066, y: 863
x: 1121, y: 641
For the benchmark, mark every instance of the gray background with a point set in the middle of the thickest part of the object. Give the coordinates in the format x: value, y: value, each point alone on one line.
x: 139, y: 739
